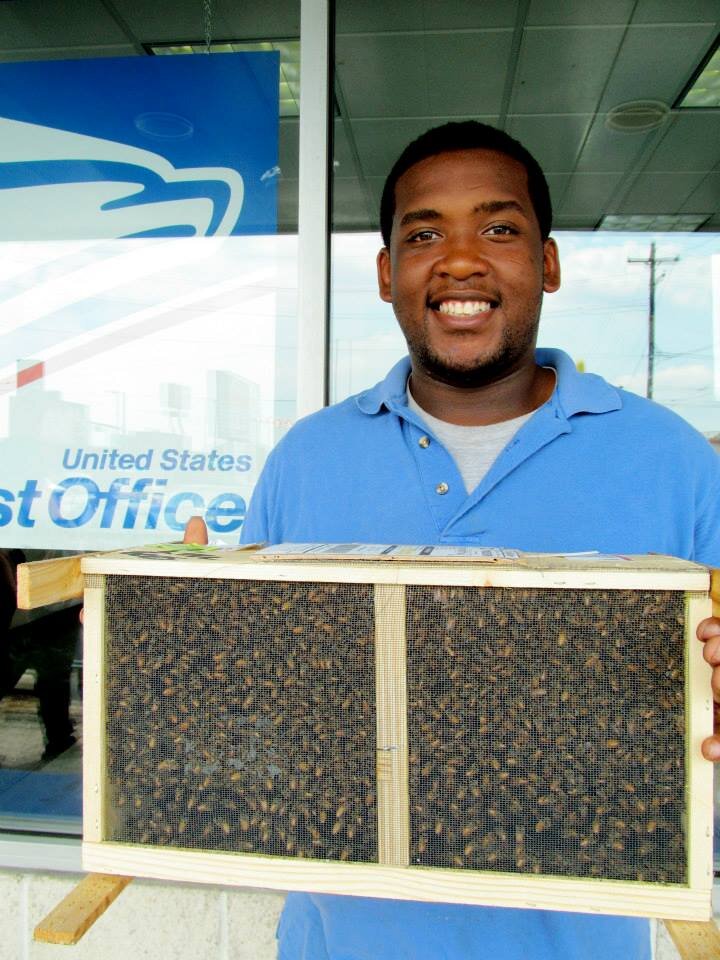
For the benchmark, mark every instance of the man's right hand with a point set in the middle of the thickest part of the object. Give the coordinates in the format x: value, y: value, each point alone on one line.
x: 708, y: 632
x: 196, y: 531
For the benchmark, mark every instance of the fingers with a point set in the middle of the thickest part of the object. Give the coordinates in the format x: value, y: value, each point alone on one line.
x: 711, y: 654
x: 708, y: 632
x: 196, y: 531
x: 711, y: 651
x: 709, y: 628
x: 711, y: 748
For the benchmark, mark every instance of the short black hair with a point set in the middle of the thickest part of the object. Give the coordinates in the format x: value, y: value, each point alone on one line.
x: 467, y: 135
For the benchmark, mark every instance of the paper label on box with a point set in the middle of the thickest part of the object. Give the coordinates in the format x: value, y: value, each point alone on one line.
x: 386, y: 551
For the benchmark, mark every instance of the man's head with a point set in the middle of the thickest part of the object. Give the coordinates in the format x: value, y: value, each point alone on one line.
x: 467, y: 135
x: 467, y: 256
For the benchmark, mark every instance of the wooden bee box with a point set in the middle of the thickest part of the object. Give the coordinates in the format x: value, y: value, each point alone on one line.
x: 519, y: 732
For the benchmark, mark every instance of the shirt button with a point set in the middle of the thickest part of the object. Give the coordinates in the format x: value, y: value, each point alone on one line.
x: 424, y: 442
x: 442, y: 488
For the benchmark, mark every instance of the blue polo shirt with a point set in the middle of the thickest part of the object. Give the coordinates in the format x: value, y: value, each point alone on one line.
x: 594, y: 468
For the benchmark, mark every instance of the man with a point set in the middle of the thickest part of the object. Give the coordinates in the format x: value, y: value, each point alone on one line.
x: 477, y: 438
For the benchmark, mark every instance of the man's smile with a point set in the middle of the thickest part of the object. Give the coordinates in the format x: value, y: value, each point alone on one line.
x: 467, y: 267
x: 464, y: 308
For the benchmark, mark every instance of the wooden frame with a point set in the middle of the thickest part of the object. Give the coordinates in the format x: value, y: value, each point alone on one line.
x: 399, y: 883
x: 392, y: 738
x: 699, y: 725
x: 94, y: 807
x: 393, y: 877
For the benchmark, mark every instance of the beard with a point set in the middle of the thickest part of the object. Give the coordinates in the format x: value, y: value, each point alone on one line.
x: 479, y: 371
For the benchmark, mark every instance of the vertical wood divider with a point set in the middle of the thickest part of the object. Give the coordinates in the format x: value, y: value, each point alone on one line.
x: 94, y: 771
x: 699, y: 772
x: 392, y: 736
x: 715, y: 592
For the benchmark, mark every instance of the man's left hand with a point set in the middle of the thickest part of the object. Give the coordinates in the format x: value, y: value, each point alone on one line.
x: 708, y: 632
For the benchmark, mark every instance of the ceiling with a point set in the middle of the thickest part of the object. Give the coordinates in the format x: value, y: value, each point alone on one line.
x: 548, y: 71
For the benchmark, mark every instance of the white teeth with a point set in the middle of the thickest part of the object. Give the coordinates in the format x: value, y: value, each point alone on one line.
x: 463, y: 308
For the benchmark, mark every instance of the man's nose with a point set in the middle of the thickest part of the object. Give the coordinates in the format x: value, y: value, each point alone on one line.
x: 462, y: 257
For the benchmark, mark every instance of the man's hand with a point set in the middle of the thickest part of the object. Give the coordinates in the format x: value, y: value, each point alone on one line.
x: 196, y: 532
x: 708, y: 632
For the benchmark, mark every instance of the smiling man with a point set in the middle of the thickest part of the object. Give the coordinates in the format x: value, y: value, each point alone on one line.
x: 465, y: 267
x: 479, y: 438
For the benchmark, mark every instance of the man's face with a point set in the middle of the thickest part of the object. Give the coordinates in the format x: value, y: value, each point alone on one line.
x: 467, y: 268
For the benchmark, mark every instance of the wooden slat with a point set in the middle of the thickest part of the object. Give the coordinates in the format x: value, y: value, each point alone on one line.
x: 74, y: 915
x: 94, y: 770
x: 634, y: 576
x: 392, y: 737
x: 715, y: 592
x: 48, y: 581
x: 695, y: 941
x: 699, y: 771
x: 399, y: 883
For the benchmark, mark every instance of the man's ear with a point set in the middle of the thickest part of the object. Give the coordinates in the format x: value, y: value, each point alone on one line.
x: 551, y: 266
x: 384, y: 272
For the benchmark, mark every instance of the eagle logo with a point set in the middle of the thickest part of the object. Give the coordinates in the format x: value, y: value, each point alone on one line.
x: 60, y: 185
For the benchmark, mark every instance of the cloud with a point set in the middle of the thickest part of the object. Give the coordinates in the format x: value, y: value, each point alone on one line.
x: 601, y: 272
x: 690, y: 379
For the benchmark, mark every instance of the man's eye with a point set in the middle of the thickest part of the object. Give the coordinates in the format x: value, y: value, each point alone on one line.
x: 422, y: 235
x: 501, y: 230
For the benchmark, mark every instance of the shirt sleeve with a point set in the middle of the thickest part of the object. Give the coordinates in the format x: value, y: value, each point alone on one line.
x: 707, y: 527
x: 261, y: 523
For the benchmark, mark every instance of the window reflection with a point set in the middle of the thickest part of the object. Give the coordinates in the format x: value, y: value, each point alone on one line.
x: 147, y: 340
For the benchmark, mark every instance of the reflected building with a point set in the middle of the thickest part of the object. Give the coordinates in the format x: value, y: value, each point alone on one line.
x: 234, y: 412
x: 37, y: 415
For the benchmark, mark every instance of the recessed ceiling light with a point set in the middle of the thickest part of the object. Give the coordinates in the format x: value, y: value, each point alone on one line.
x: 289, y: 51
x: 660, y: 223
x: 704, y: 89
x: 637, y: 116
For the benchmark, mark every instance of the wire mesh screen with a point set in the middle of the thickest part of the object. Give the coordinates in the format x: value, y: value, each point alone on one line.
x: 546, y: 731
x: 241, y: 716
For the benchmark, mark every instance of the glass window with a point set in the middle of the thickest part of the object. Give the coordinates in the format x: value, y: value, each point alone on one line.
x: 600, y: 316
x: 148, y: 282
x: 613, y: 164
x: 590, y: 90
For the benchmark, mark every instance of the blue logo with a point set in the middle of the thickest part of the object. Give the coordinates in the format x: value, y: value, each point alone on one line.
x: 166, y: 146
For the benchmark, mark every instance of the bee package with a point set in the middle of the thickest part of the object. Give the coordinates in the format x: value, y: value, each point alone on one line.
x: 515, y: 730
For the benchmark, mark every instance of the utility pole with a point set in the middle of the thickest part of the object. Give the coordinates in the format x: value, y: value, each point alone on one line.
x: 652, y: 262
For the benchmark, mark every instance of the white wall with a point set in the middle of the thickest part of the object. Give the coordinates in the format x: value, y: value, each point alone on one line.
x: 149, y: 920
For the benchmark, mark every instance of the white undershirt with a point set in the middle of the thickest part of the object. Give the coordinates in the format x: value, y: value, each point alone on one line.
x: 474, y: 449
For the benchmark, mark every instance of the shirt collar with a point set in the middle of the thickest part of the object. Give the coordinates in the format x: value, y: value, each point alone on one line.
x: 575, y: 392
x: 390, y: 392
